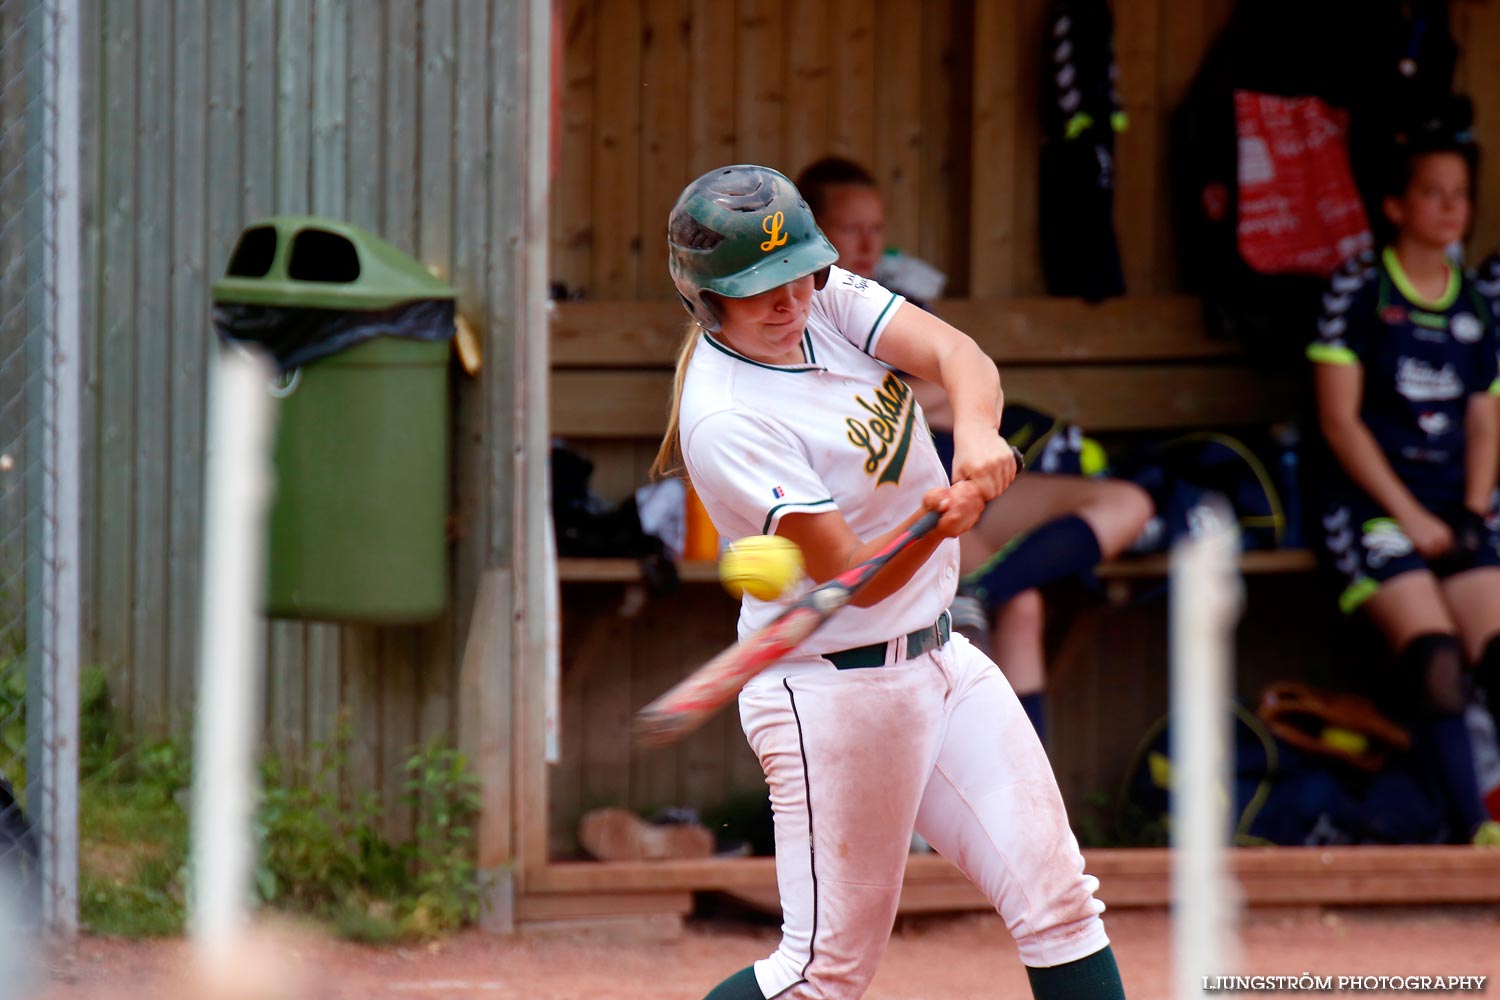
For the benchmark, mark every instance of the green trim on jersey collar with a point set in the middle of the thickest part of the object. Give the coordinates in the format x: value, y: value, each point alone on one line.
x: 1403, y: 283
x: 790, y: 369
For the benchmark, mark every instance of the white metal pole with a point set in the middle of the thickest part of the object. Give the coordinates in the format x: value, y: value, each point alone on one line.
x: 61, y: 538
x: 237, y: 489
x: 1205, y: 604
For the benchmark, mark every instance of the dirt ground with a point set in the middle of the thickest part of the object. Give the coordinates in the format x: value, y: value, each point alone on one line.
x: 930, y: 958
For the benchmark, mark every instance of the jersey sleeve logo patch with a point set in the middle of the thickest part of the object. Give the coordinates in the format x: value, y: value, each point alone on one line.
x: 777, y: 492
x: 885, y: 434
x: 772, y: 224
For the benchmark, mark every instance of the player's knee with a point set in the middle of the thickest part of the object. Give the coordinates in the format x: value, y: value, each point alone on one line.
x: 1023, y: 614
x: 1430, y: 671
x: 1118, y: 516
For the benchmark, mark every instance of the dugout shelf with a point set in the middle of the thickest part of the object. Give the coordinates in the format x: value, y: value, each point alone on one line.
x: 1128, y: 878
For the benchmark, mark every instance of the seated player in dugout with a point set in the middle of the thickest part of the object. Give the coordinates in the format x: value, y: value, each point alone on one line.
x: 1408, y: 405
x: 1045, y: 528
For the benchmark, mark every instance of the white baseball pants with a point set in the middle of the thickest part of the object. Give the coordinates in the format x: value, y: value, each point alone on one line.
x: 855, y: 759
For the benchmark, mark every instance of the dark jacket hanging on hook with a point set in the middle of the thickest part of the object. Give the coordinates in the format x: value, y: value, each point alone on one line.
x: 1081, y: 112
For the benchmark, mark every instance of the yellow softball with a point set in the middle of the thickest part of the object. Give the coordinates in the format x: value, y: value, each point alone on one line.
x: 763, y: 566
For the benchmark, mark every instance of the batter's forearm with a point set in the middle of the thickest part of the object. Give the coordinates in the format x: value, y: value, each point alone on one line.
x: 972, y: 383
x: 899, y: 571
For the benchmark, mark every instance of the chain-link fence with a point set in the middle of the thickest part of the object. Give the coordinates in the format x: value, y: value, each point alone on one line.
x: 39, y: 461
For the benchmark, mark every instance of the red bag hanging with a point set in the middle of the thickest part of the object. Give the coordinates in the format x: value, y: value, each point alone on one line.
x: 1299, y: 210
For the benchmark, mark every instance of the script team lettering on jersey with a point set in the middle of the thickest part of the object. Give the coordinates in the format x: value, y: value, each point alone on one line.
x: 886, y: 432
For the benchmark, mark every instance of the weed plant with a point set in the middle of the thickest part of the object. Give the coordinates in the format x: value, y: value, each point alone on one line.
x: 321, y: 853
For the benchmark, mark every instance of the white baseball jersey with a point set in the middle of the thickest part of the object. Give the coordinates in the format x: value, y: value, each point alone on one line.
x: 838, y: 431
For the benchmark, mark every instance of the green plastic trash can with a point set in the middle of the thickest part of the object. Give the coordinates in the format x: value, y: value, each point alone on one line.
x: 360, y: 333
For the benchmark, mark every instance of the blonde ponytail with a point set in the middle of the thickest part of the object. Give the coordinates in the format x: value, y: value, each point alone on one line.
x: 669, y: 455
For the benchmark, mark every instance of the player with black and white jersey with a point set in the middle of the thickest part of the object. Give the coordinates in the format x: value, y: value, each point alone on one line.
x: 790, y: 421
x: 1409, y: 407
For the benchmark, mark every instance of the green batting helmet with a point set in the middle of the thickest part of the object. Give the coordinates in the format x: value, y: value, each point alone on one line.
x: 738, y: 231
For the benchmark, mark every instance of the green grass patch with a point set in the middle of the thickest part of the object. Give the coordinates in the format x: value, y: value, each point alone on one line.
x: 132, y: 855
x: 320, y: 852
x: 326, y: 857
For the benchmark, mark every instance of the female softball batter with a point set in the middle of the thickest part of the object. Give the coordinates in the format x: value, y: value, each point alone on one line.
x: 789, y: 422
x: 1409, y: 406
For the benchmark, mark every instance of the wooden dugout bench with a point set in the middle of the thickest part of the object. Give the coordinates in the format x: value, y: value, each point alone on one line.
x: 1129, y: 365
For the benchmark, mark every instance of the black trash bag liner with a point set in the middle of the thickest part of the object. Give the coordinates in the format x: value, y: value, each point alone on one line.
x: 589, y: 526
x: 295, y: 336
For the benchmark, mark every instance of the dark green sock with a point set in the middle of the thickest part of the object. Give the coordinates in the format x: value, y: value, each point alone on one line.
x: 1093, y: 978
x: 740, y: 986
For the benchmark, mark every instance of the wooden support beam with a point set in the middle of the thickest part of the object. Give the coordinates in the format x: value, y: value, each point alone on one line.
x: 486, y: 733
x: 572, y: 570
x: 531, y: 522
x: 1251, y: 564
x: 586, y: 905
x: 1270, y: 876
x: 633, y: 404
x: 636, y: 334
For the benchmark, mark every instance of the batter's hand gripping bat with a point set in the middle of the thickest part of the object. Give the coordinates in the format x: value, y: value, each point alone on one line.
x: 703, y: 692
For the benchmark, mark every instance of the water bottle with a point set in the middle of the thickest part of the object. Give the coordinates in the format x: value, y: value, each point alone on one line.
x: 701, y: 541
x: 1287, y: 441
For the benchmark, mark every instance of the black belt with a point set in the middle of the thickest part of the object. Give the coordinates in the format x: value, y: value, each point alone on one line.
x: 874, y: 655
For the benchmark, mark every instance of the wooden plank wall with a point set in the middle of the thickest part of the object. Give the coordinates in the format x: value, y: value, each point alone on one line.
x: 658, y: 91
x: 940, y: 100
x: 1476, y: 25
x: 394, y: 115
